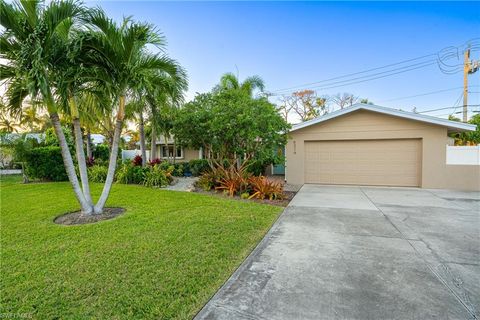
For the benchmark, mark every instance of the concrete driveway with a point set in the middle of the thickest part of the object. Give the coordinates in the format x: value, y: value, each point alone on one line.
x: 362, y: 253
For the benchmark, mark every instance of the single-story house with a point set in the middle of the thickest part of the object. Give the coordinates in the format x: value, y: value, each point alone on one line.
x: 167, y: 149
x: 373, y: 145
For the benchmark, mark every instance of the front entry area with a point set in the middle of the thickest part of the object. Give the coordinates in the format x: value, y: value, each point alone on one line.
x: 386, y: 162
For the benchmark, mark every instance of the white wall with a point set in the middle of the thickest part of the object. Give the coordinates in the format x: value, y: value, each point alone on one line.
x: 130, y: 154
x: 463, y: 155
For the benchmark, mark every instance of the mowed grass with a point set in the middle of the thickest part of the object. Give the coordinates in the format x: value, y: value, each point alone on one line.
x: 163, y: 259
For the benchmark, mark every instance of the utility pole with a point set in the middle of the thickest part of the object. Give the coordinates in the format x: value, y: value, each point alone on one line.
x: 466, y: 67
x: 469, y: 67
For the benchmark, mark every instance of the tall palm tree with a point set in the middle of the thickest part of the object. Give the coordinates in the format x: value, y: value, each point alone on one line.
x: 118, y: 52
x: 230, y: 81
x: 41, y: 51
x: 32, y: 42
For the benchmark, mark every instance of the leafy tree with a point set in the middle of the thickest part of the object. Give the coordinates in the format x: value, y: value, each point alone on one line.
x: 305, y: 104
x: 231, y: 125
x: 470, y: 137
x: 366, y: 101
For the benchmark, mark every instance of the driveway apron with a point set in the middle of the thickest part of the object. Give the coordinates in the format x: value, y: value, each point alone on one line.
x: 341, y: 252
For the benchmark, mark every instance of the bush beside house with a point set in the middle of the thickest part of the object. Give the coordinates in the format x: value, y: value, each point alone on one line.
x: 45, y: 163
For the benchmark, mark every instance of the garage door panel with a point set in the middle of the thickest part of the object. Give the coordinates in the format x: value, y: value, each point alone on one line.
x: 366, y: 162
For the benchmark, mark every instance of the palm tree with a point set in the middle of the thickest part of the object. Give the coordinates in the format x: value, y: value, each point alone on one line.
x: 30, y: 119
x: 41, y: 50
x: 8, y: 125
x: 119, y: 55
x: 229, y: 81
x: 32, y: 42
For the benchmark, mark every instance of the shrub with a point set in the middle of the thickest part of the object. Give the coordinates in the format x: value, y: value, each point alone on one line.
x: 97, y: 173
x: 156, y: 177
x: 101, y: 152
x: 256, y: 167
x: 128, y: 173
x: 52, y: 140
x: 178, y: 170
x: 137, y: 161
x: 153, y: 162
x: 205, y: 182
x: 245, y: 195
x: 199, y: 167
x: 232, y: 180
x: 45, y: 163
x: 264, y: 188
x: 90, y: 161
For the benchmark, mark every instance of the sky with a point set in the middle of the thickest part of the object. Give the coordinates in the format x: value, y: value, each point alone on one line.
x: 289, y: 44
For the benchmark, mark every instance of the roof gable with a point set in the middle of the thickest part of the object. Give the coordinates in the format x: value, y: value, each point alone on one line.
x: 451, y: 125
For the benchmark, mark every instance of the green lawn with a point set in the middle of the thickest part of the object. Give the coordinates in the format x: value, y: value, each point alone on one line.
x: 164, y: 258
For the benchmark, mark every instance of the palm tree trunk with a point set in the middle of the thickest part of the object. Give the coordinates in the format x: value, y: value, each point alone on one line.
x: 153, y: 144
x: 142, y: 140
x: 89, y: 144
x: 98, y: 209
x: 82, y: 164
x: 68, y: 162
x: 111, y: 169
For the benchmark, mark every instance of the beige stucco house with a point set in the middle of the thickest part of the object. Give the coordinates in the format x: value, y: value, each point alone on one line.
x: 372, y: 145
x: 167, y: 149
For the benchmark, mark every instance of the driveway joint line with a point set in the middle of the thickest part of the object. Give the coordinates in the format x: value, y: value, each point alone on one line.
x: 443, y: 281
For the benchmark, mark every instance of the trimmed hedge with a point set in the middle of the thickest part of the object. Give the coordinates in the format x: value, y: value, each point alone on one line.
x: 45, y: 163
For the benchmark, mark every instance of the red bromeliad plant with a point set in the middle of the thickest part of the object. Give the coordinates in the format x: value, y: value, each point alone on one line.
x: 154, y: 162
x: 137, y: 161
x: 264, y: 188
x: 232, y: 180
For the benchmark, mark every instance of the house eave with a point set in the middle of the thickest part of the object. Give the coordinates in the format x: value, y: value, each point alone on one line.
x: 453, y: 126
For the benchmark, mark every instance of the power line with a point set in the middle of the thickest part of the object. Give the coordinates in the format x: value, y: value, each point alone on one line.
x: 327, y: 85
x: 369, y: 79
x: 432, y: 110
x: 422, y: 94
x: 353, y: 74
x: 456, y: 103
x: 354, y: 81
x: 364, y: 78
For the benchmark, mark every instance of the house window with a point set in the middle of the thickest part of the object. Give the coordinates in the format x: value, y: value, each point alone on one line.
x: 167, y: 152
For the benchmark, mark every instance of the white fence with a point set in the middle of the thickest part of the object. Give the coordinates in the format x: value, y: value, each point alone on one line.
x: 463, y: 155
x: 130, y: 154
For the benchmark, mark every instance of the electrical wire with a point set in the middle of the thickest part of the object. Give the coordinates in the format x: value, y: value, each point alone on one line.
x: 441, y: 56
x: 360, y: 79
x: 455, y: 104
x: 353, y: 74
x: 432, y: 110
x: 422, y: 94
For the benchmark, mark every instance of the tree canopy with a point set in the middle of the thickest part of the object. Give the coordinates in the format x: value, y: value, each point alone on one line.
x: 230, y: 124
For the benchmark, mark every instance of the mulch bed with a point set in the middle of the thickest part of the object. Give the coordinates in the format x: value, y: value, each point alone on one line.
x: 76, y: 218
x: 281, y: 203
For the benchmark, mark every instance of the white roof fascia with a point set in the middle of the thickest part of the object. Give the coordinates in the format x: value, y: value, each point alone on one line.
x: 389, y: 111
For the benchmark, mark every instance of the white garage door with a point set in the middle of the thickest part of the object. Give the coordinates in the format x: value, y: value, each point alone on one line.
x: 364, y: 162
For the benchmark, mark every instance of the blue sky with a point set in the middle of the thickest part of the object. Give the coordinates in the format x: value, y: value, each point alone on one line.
x: 294, y: 43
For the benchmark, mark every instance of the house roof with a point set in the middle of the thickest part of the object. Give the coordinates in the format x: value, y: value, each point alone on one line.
x: 451, y: 125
